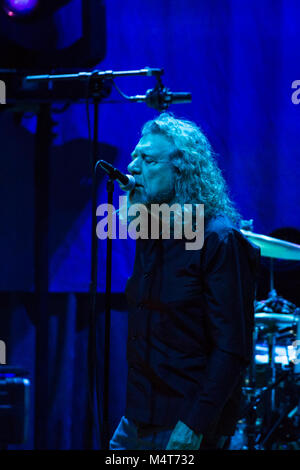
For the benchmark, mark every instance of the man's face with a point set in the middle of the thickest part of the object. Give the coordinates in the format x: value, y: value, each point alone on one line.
x: 152, y: 170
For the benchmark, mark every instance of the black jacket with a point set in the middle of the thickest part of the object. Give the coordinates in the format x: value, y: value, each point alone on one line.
x: 190, y: 328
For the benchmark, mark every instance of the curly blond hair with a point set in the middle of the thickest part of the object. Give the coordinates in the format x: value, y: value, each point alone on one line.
x: 198, y: 179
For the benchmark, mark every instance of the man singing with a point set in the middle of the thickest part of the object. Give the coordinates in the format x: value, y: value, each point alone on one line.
x: 190, y: 311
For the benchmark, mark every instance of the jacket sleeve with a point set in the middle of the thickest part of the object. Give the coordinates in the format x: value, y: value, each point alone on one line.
x: 229, y: 268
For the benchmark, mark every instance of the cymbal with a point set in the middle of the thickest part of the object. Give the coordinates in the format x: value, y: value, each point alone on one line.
x: 274, y: 322
x: 263, y: 317
x: 273, y: 247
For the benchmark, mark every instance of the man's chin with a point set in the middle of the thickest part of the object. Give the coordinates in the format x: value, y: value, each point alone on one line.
x: 136, y: 197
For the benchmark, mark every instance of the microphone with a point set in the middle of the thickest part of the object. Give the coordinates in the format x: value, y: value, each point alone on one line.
x: 126, y: 182
x: 161, y: 98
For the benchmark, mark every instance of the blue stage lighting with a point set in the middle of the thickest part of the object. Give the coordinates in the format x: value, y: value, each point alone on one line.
x: 20, y: 7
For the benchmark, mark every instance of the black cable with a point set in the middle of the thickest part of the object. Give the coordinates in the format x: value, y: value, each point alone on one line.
x: 120, y: 91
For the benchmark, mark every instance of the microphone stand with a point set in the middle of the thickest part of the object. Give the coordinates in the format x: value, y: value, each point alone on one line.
x: 110, y: 190
x: 92, y: 341
x: 98, y: 92
x: 159, y: 98
x: 93, y: 369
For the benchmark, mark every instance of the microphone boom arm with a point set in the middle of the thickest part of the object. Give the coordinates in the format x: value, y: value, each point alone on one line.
x: 159, y: 97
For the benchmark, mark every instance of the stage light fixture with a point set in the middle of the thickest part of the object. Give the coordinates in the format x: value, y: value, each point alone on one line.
x: 43, y: 35
x: 14, y: 8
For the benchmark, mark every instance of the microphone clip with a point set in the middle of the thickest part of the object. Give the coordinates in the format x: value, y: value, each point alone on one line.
x: 159, y: 97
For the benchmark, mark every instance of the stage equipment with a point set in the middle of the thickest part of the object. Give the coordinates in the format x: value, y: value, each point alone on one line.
x: 35, y: 35
x: 14, y: 406
x: 27, y: 91
x: 272, y: 385
x: 273, y: 247
x: 126, y: 182
x: 20, y: 7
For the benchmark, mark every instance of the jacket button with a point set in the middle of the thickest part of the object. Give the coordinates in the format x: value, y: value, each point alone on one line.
x: 141, y: 305
x: 146, y: 275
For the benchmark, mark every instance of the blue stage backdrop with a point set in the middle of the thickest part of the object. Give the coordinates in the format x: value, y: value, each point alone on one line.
x: 238, y: 59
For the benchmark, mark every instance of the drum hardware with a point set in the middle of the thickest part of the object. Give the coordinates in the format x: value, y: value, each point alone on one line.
x: 272, y: 344
x: 259, y: 435
x: 285, y: 413
x: 277, y: 327
x: 271, y: 247
x: 259, y: 432
x: 256, y: 437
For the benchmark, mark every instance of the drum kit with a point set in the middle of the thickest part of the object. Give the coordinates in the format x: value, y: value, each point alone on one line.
x: 270, y: 418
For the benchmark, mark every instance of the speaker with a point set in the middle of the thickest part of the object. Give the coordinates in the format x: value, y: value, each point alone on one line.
x: 14, y: 405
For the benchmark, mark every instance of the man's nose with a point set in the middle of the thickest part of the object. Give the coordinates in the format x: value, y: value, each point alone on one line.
x: 134, y: 167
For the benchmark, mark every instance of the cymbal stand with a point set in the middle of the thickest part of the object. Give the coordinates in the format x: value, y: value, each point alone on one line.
x: 273, y: 292
x: 250, y: 411
x: 251, y: 416
x: 284, y: 412
x: 271, y: 394
x: 273, y: 371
